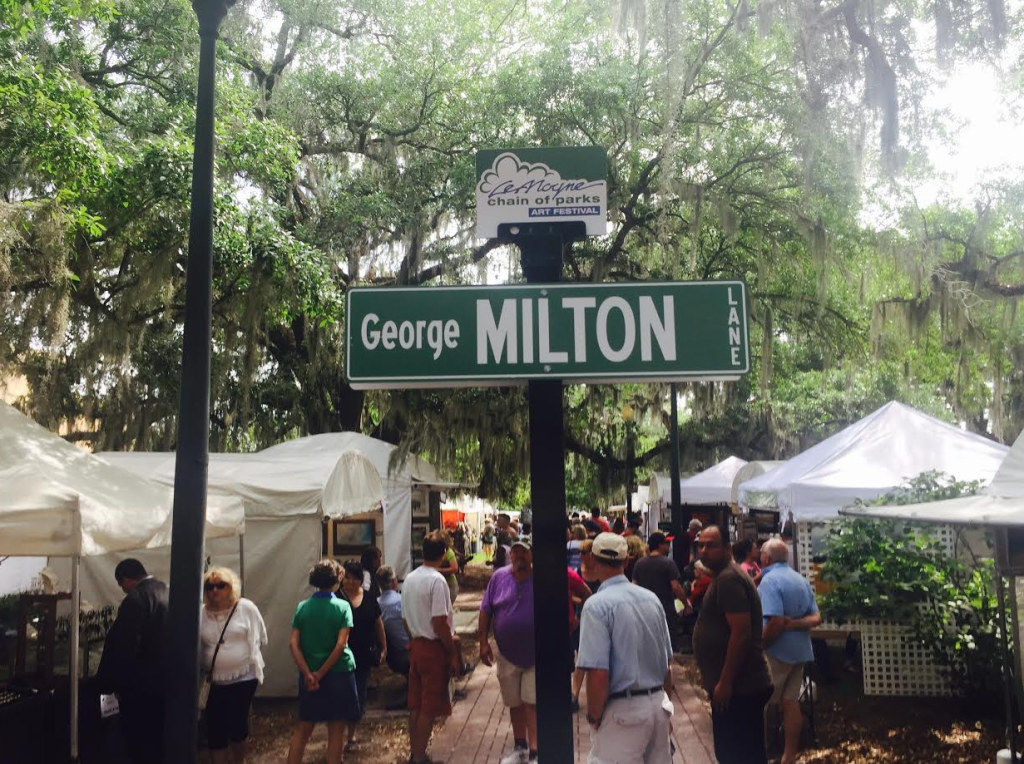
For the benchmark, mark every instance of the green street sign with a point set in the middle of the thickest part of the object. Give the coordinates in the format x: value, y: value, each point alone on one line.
x: 405, y: 337
x: 541, y: 185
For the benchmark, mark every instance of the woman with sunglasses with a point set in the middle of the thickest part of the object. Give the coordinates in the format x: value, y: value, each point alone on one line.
x: 232, y: 632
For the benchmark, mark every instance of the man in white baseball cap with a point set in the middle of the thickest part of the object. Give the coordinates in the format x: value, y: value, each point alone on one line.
x: 626, y: 652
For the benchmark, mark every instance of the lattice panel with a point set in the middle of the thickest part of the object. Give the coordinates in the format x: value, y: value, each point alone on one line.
x: 808, y: 531
x: 894, y: 665
x: 804, y: 547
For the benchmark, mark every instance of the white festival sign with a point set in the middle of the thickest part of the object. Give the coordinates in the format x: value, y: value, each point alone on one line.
x: 516, y: 191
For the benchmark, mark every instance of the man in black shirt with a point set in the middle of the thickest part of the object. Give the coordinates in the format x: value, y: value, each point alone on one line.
x: 132, y: 664
x: 659, y: 573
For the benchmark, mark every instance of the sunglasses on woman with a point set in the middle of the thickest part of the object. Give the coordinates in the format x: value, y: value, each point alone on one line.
x: 209, y: 586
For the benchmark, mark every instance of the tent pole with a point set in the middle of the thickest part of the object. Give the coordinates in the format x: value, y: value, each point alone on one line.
x: 1007, y: 673
x: 76, y: 609
x: 241, y: 562
x: 1015, y: 620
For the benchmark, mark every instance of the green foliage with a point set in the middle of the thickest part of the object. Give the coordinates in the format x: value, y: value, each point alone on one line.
x: 737, y: 144
x: 896, y: 571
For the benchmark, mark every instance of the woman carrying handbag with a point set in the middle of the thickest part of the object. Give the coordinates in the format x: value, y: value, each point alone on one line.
x: 232, y: 632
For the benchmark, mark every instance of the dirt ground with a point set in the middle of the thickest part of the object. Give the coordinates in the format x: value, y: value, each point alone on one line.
x: 849, y: 727
x: 853, y: 728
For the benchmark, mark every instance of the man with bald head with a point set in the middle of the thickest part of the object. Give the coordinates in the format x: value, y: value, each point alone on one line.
x: 790, y: 612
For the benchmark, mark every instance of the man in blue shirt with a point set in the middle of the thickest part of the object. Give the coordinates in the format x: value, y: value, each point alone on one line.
x: 626, y: 652
x: 790, y: 612
x: 390, y: 603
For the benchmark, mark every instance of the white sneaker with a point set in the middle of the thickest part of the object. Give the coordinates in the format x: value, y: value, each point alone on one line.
x: 518, y: 756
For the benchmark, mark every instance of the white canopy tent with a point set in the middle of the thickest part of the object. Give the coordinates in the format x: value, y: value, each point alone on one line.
x: 288, y: 490
x: 710, y: 487
x: 61, y: 501
x: 749, y: 471
x: 1000, y: 503
x: 713, y: 485
x: 867, y: 459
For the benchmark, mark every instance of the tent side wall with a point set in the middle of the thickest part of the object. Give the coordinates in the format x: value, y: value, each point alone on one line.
x: 278, y: 554
x: 398, y: 527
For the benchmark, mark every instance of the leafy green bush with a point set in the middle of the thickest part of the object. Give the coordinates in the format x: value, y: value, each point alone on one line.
x: 898, y: 571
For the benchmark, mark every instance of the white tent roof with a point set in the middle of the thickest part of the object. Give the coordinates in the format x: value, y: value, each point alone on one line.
x: 869, y: 458
x: 279, y: 485
x: 749, y: 471
x: 337, y: 473
x: 1001, y: 502
x: 59, y: 500
x: 328, y: 445
x: 713, y: 485
x: 660, y: 486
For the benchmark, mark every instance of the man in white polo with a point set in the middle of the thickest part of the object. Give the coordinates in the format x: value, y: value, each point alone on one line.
x: 626, y: 652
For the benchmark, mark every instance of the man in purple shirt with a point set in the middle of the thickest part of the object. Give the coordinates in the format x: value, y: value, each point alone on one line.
x: 508, y: 605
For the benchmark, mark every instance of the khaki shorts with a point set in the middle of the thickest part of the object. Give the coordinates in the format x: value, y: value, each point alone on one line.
x: 518, y: 685
x: 787, y: 678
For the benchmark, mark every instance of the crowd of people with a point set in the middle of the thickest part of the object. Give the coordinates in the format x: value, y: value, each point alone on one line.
x: 742, y: 610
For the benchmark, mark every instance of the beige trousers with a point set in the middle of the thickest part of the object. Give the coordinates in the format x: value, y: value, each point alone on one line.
x: 633, y: 730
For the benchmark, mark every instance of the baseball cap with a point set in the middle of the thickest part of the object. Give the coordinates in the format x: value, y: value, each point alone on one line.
x: 656, y: 539
x: 609, y: 546
x: 524, y: 542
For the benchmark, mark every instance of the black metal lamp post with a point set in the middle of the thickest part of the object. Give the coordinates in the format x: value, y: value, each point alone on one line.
x: 629, y: 418
x: 190, y: 472
x: 680, y: 519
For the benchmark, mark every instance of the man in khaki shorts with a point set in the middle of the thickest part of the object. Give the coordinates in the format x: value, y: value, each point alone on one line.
x: 790, y: 612
x: 508, y: 605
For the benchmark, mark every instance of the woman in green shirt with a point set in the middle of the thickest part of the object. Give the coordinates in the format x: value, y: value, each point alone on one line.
x: 319, y: 646
x: 487, y: 539
x: 449, y: 566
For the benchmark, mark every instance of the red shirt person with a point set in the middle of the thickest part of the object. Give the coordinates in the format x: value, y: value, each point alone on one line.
x: 595, y: 515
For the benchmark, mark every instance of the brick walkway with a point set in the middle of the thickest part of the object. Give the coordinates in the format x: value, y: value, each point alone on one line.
x: 479, y: 732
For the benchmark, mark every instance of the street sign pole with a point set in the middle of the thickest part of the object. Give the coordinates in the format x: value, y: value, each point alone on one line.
x: 542, y: 247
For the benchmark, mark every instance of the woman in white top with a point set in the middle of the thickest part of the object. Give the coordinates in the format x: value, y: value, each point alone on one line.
x: 237, y: 625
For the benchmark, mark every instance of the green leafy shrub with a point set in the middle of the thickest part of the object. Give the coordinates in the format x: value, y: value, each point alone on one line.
x: 898, y: 571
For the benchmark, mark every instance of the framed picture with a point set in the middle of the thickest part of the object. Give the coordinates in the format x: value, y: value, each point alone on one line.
x: 420, y: 506
x: 419, y: 531
x: 353, y: 536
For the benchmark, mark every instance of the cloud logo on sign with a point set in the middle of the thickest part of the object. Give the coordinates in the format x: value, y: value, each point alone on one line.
x: 508, y: 169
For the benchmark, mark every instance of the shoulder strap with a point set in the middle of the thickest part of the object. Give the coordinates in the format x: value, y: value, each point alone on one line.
x: 220, y: 640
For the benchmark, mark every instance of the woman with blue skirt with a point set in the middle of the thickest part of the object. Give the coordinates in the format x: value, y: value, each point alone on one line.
x: 319, y: 646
